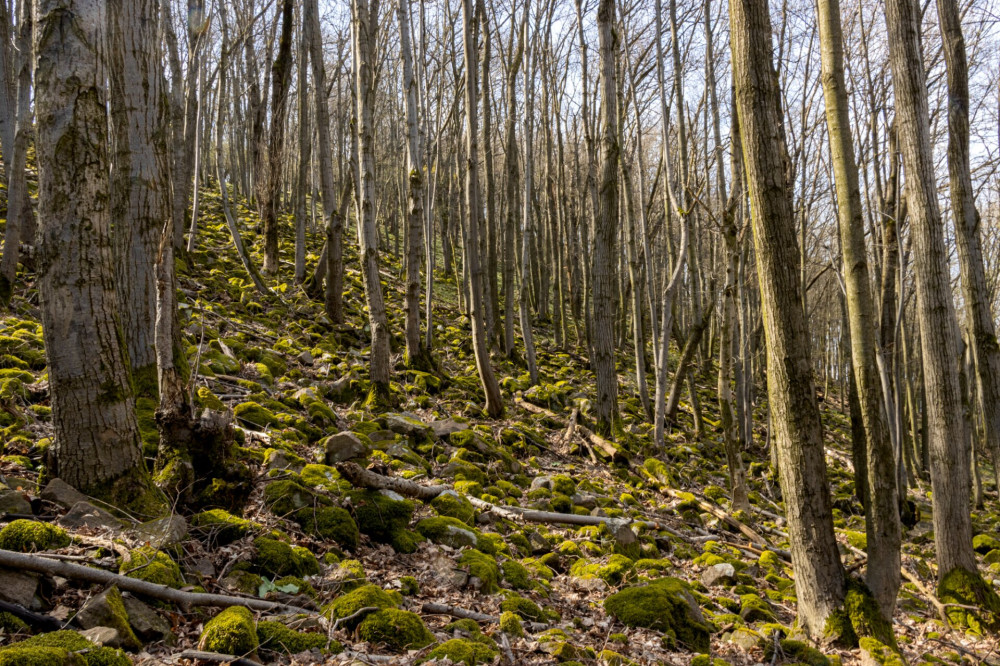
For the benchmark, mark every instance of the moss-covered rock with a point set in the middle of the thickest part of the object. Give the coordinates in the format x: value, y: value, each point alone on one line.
x: 230, y: 632
x: 614, y: 572
x: 398, y: 630
x: 516, y: 575
x: 276, y: 637
x: 796, y: 651
x: 220, y: 527
x: 753, y: 608
x: 363, y: 597
x: 483, y: 567
x: 510, y: 624
x: 450, y: 532
x: 287, y: 496
x: 880, y: 653
x: 666, y: 605
x: 967, y: 588
x: 151, y: 565
x: 18, y: 655
x: 463, y: 651
x: 384, y: 518
x: 331, y: 523
x: 984, y: 543
x: 453, y: 505
x: 255, y: 416
x: 525, y: 608
x: 27, y: 536
x: 277, y: 558
x: 61, y: 646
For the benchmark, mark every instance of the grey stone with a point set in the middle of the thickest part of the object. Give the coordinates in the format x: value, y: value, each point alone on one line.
x: 305, y: 358
x: 86, y: 515
x: 539, y: 546
x: 17, y: 587
x: 147, y: 624
x: 380, y: 436
x: 163, y: 532
x: 718, y: 575
x: 455, y: 537
x: 586, y: 500
x: 100, y: 611
x: 541, y: 482
x: 345, y: 446
x: 106, y: 636
x: 61, y: 493
x: 12, y: 501
x: 446, y: 427
x: 279, y: 460
x: 406, y: 423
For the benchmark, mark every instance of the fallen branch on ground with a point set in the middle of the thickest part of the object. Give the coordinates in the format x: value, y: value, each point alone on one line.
x: 609, y: 449
x: 36, y: 621
x: 185, y: 600
x: 466, y: 614
x: 215, y: 657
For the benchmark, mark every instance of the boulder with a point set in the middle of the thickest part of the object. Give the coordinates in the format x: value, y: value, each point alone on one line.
x: 406, y: 423
x: 163, y: 532
x: 147, y: 624
x: 444, y: 428
x: 107, y: 609
x: 59, y: 492
x: 12, y: 501
x: 85, y: 514
x: 17, y: 587
x: 345, y: 446
x: 666, y: 605
x: 718, y: 575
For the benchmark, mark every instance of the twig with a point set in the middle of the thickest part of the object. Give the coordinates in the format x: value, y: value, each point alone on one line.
x: 217, y: 657
x: 353, y: 616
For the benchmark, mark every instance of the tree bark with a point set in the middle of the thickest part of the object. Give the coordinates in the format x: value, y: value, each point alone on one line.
x: 281, y: 79
x: 819, y: 575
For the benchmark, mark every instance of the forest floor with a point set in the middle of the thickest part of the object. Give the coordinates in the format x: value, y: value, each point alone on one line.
x: 295, y: 383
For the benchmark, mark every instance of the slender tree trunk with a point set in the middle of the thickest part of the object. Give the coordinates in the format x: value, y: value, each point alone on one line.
x: 882, y: 514
x: 527, y: 229
x: 494, y: 403
x: 935, y: 311
x: 819, y: 575
x: 606, y: 226
x: 305, y: 157
x: 281, y: 79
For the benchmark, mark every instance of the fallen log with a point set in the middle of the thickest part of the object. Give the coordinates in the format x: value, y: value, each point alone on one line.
x: 36, y: 621
x: 609, y: 449
x: 186, y: 600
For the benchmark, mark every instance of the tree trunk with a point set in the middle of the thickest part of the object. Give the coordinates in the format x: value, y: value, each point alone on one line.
x: 935, y: 311
x: 97, y: 446
x: 606, y: 226
x: 281, y: 79
x: 819, y: 576
x: 881, y: 510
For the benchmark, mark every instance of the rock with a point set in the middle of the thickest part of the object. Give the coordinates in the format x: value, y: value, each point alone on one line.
x: 106, y: 636
x: 541, y: 482
x: 305, y: 358
x: 281, y: 460
x: 589, y: 584
x: 447, y: 531
x: 380, y: 436
x: 147, y: 623
x: 17, y: 587
x: 85, y: 514
x: 443, y: 571
x: 345, y: 446
x: 586, y: 500
x: 108, y: 610
x: 61, y: 493
x: 719, y: 574
x: 406, y: 423
x: 163, y: 532
x: 340, y: 389
x: 539, y: 546
x: 444, y: 428
x: 12, y: 501
x: 666, y: 605
x: 744, y: 638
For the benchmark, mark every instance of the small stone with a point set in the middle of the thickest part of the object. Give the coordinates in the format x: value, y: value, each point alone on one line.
x: 541, y: 482
x: 103, y: 636
x: 12, y: 501
x: 203, y: 567
x: 444, y: 428
x: 147, y: 624
x: 539, y: 546
x: 744, y: 638
x: 719, y: 574
x: 17, y: 587
x: 108, y: 610
x: 305, y: 358
x: 279, y: 460
x: 59, y: 492
x: 586, y: 500
x: 589, y: 584
x: 380, y: 436
x: 85, y: 514
x: 163, y: 532
x: 345, y: 446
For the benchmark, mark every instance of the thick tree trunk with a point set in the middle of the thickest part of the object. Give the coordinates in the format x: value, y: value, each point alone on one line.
x: 606, y: 226
x: 819, y: 575
x: 97, y: 447
x: 881, y: 510
x: 281, y: 79
x: 949, y: 454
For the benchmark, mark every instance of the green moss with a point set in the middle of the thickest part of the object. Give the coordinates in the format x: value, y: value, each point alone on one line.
x: 205, y: 398
x: 796, y: 651
x: 332, y: 523
x: 464, y: 651
x: 350, y: 575
x: 118, y: 619
x: 755, y: 609
x: 880, y: 653
x: 473, y: 488
x: 665, y: 605
x: 483, y: 567
x: 13, y: 624
x: 148, y: 564
x: 516, y: 575
x: 859, y: 617
x: 287, y: 496
x: 382, y: 518
x: 525, y: 608
x: 230, y: 632
x: 363, y: 597
x: 37, y: 656
x: 510, y: 624
x: 221, y: 527
x: 563, y: 484
x: 26, y: 536
x: 398, y: 630
x: 277, y: 558
x: 409, y: 586
x: 455, y: 506
x: 984, y: 543
x: 960, y: 586
x: 276, y: 637
x: 65, y: 639
x: 614, y: 572
x: 769, y: 560
x: 255, y: 416
x: 66, y: 642
x: 322, y: 476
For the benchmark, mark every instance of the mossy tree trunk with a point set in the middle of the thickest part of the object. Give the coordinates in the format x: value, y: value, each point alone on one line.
x: 881, y: 512
x: 819, y: 575
x: 97, y: 446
